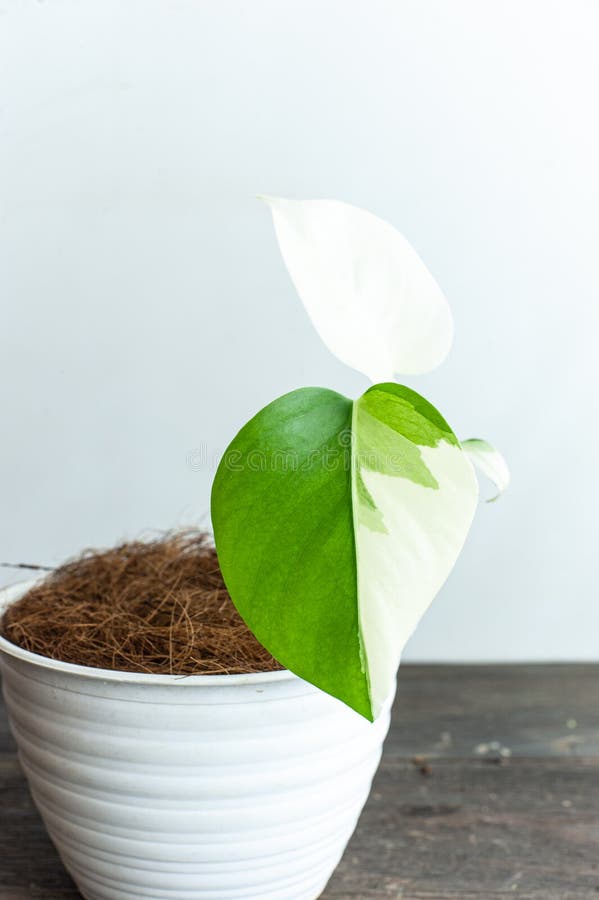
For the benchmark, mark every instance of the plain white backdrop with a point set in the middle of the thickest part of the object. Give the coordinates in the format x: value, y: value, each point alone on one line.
x: 146, y: 313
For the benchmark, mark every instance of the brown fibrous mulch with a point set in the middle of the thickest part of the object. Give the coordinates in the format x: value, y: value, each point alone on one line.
x: 156, y: 606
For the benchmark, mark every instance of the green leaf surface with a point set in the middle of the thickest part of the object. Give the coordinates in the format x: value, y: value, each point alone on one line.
x: 336, y: 522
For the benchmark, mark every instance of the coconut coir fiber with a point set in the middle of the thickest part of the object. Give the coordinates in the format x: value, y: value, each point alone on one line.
x: 146, y: 606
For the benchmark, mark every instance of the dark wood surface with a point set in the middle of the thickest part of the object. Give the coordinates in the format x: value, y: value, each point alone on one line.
x: 489, y: 787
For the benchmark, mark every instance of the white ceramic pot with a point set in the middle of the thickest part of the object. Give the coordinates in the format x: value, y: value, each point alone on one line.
x: 200, y: 787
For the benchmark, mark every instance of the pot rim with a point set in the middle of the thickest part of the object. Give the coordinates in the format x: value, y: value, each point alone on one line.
x: 12, y: 592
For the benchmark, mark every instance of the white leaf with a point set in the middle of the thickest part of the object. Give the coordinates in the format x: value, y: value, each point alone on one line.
x: 369, y: 295
x: 490, y: 462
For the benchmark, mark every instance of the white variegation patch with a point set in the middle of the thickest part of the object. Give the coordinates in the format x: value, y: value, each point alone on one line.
x: 401, y: 569
x: 369, y: 295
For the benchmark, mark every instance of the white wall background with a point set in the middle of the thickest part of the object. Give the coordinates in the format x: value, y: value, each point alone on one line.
x: 145, y: 312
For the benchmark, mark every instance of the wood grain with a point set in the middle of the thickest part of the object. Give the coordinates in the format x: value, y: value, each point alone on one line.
x: 489, y: 787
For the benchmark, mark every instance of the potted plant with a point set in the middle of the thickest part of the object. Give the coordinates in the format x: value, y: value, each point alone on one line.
x: 335, y: 522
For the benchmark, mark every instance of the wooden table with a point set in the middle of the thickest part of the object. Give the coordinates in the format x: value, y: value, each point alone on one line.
x: 489, y: 787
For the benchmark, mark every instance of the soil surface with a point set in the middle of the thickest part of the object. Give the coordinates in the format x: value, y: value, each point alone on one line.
x: 145, y: 606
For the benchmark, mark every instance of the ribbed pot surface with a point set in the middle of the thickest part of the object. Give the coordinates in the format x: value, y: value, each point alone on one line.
x: 224, y: 787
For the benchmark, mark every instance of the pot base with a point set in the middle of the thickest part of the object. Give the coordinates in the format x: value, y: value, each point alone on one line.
x: 228, y: 787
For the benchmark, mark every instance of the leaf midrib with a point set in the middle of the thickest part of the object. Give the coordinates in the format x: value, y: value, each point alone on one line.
x: 354, y: 507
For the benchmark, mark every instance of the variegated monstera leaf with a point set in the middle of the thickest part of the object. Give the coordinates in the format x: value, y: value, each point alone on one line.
x: 337, y: 521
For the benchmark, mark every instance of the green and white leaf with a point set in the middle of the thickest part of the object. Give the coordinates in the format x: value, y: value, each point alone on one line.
x: 490, y: 462
x: 369, y: 295
x: 336, y: 523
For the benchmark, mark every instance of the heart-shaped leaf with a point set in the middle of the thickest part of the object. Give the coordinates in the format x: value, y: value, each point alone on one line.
x: 369, y: 295
x: 336, y: 522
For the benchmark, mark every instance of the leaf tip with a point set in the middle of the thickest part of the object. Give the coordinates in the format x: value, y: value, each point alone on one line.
x: 490, y: 462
